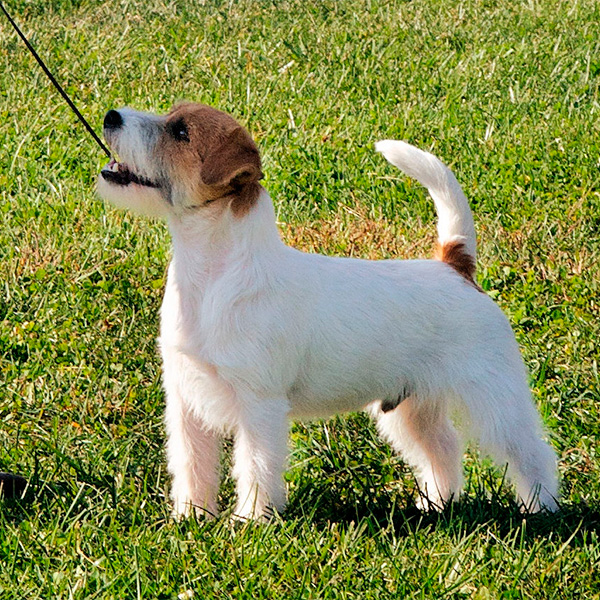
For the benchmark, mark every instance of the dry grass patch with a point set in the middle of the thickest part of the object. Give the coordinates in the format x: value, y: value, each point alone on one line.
x: 350, y: 232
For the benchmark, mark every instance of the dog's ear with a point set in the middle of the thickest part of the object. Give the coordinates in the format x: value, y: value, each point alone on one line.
x: 234, y: 162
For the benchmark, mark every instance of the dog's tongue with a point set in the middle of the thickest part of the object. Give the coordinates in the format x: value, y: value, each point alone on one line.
x: 112, y: 166
x: 120, y: 174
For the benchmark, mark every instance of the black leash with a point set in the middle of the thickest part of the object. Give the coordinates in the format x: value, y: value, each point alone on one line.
x: 56, y: 84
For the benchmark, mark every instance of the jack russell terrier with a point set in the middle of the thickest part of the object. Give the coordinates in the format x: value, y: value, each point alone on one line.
x: 254, y: 333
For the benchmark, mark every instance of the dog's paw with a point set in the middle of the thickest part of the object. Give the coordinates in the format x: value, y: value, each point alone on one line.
x: 540, y: 503
x: 425, y: 504
x: 267, y: 514
x: 183, y: 509
x: 431, y: 503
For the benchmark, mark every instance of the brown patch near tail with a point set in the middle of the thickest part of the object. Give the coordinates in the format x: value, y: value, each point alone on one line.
x: 455, y: 255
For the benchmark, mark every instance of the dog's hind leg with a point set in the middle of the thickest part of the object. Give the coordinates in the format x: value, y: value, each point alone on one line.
x: 532, y: 466
x: 260, y: 454
x: 508, y: 425
x: 421, y: 431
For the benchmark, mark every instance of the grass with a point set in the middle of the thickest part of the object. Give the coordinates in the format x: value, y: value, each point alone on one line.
x: 506, y: 92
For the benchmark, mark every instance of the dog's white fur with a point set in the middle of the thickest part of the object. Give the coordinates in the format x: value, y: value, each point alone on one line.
x: 254, y: 333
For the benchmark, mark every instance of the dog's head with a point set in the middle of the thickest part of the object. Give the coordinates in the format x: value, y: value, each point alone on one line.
x: 194, y: 157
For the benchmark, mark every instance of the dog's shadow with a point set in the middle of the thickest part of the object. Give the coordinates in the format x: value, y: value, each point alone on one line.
x: 321, y: 502
x: 476, y: 509
x: 361, y: 480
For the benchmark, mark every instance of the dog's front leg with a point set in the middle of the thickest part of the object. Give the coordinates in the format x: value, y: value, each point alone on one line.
x: 260, y: 455
x: 193, y: 452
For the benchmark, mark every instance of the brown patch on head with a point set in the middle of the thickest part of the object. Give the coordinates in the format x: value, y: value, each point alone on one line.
x: 456, y: 255
x: 235, y: 163
x: 234, y: 160
x: 212, y: 155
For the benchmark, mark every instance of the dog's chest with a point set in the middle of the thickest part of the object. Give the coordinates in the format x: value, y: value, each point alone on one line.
x: 196, y: 319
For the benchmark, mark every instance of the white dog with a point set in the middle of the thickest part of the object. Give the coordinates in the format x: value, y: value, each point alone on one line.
x: 254, y: 332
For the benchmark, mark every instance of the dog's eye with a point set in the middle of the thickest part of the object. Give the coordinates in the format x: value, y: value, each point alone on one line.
x: 179, y: 131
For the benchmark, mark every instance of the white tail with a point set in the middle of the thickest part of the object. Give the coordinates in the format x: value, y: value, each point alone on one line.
x: 455, y: 221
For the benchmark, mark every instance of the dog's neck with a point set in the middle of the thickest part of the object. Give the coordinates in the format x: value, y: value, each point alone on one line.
x: 212, y: 239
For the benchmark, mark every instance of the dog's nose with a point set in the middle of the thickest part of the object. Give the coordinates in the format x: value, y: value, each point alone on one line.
x: 113, y: 120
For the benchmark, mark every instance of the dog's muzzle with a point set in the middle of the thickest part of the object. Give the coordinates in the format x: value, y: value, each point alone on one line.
x: 119, y: 173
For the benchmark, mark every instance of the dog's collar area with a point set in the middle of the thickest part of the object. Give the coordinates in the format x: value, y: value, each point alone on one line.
x: 120, y: 174
x: 210, y: 201
x: 231, y: 196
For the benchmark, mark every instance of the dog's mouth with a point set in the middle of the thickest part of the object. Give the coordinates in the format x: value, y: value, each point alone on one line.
x: 120, y: 174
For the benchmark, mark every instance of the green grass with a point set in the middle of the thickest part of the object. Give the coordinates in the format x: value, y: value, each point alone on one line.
x: 506, y: 92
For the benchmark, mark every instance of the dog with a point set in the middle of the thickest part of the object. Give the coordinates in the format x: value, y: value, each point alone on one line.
x: 255, y: 333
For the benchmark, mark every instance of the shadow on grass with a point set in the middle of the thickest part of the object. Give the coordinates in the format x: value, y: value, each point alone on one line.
x: 27, y: 497
x: 348, y: 495
x: 396, y: 509
x: 313, y: 502
x: 42, y: 499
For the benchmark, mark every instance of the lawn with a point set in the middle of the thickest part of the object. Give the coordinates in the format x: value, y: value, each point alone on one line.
x: 504, y: 91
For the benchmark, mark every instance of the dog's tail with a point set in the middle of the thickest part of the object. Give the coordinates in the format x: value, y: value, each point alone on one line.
x: 457, y: 244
